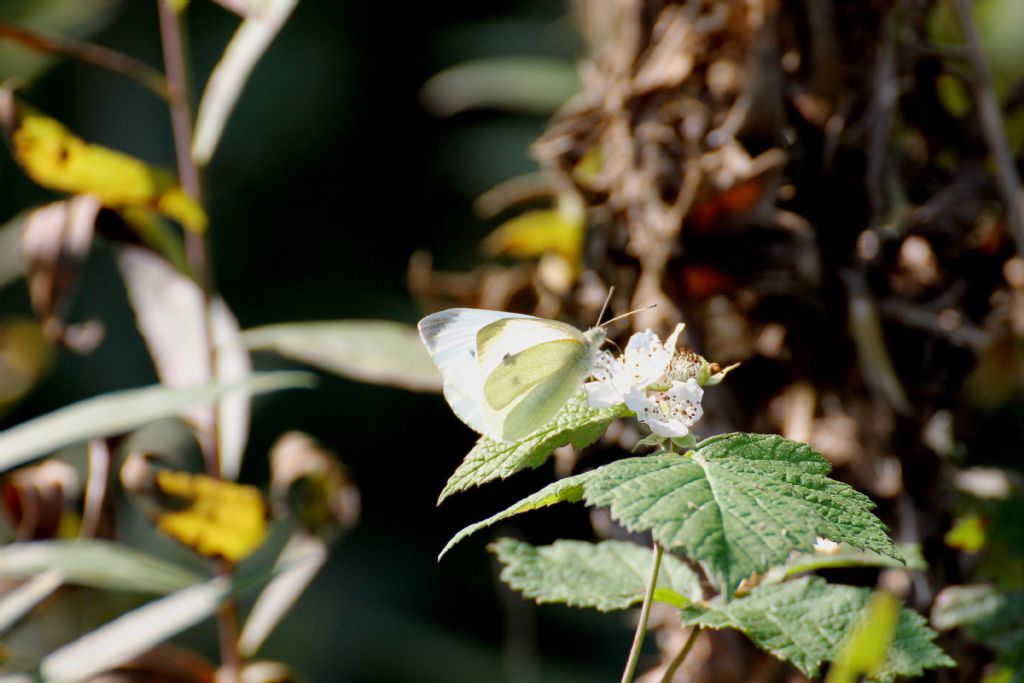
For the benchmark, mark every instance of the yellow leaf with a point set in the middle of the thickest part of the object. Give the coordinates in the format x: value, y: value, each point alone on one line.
x: 55, y: 158
x: 588, y: 168
x: 865, y: 649
x: 219, y: 518
x: 535, y: 233
x: 967, y: 534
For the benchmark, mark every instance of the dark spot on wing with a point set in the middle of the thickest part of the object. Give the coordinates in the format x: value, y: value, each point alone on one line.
x: 507, y: 356
x: 472, y: 352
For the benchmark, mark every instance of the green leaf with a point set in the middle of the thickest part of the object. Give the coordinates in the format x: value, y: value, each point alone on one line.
x: 739, y: 504
x: 133, y: 633
x: 67, y: 18
x: 577, y: 423
x: 569, y: 489
x: 805, y: 622
x: 844, y: 556
x: 528, y: 85
x: 99, y: 564
x: 296, y: 567
x: 992, y: 617
x: 608, y: 576
x: 374, y: 351
x: 120, y: 412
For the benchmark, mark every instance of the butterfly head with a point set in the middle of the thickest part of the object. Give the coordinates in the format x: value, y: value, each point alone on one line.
x: 594, y: 339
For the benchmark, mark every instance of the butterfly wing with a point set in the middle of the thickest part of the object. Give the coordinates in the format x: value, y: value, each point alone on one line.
x: 528, y: 388
x: 504, y: 338
x: 451, y: 339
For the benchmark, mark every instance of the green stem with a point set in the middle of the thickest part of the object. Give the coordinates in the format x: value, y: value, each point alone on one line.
x: 645, y: 613
x: 678, y: 660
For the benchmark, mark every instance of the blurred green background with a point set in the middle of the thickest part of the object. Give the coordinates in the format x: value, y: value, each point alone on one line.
x: 329, y: 176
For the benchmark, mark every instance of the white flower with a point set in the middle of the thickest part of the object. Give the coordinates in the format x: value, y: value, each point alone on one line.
x: 640, y: 379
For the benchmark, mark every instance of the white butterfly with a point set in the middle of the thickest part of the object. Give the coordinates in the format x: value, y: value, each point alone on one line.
x: 507, y: 374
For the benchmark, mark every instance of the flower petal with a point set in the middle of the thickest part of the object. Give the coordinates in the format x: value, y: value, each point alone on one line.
x: 601, y: 395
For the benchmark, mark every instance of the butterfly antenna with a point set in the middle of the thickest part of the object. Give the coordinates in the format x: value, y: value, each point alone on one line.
x: 604, y: 309
x: 626, y: 315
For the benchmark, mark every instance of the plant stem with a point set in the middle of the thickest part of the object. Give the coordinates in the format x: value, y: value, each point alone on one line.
x: 678, y: 660
x: 97, y: 55
x: 197, y: 253
x: 181, y: 126
x: 645, y: 613
x: 993, y: 127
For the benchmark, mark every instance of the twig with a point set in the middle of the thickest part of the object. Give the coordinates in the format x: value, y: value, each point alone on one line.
x: 645, y: 613
x: 198, y: 260
x: 97, y: 55
x: 992, y: 127
x: 677, y: 661
x: 181, y: 126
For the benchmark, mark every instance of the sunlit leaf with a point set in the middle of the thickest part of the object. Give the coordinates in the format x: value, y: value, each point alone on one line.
x: 528, y: 85
x: 296, y: 567
x: 968, y: 534
x: 55, y: 158
x: 119, y: 412
x: 133, y: 633
x: 863, y: 652
x: 215, y: 518
x: 231, y: 363
x: 169, y: 312
x: 19, y: 601
x: 567, y: 490
x: 608, y: 576
x: 374, y: 351
x: 806, y: 620
x: 537, y: 232
x: 98, y: 564
x: 577, y: 423
x: 844, y: 556
x: 55, y: 242
x: 739, y: 504
x: 230, y: 75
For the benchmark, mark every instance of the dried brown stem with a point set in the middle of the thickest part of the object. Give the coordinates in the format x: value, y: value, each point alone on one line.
x: 992, y: 127
x: 97, y: 55
x: 198, y: 259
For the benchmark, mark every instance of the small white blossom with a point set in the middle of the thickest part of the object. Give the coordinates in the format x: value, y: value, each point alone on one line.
x: 641, y: 379
x: 824, y: 546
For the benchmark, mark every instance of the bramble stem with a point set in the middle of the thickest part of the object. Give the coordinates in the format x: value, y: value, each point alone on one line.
x: 645, y: 613
x: 678, y: 660
x: 199, y: 263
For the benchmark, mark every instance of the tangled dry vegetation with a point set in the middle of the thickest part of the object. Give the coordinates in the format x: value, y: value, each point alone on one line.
x: 788, y: 179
